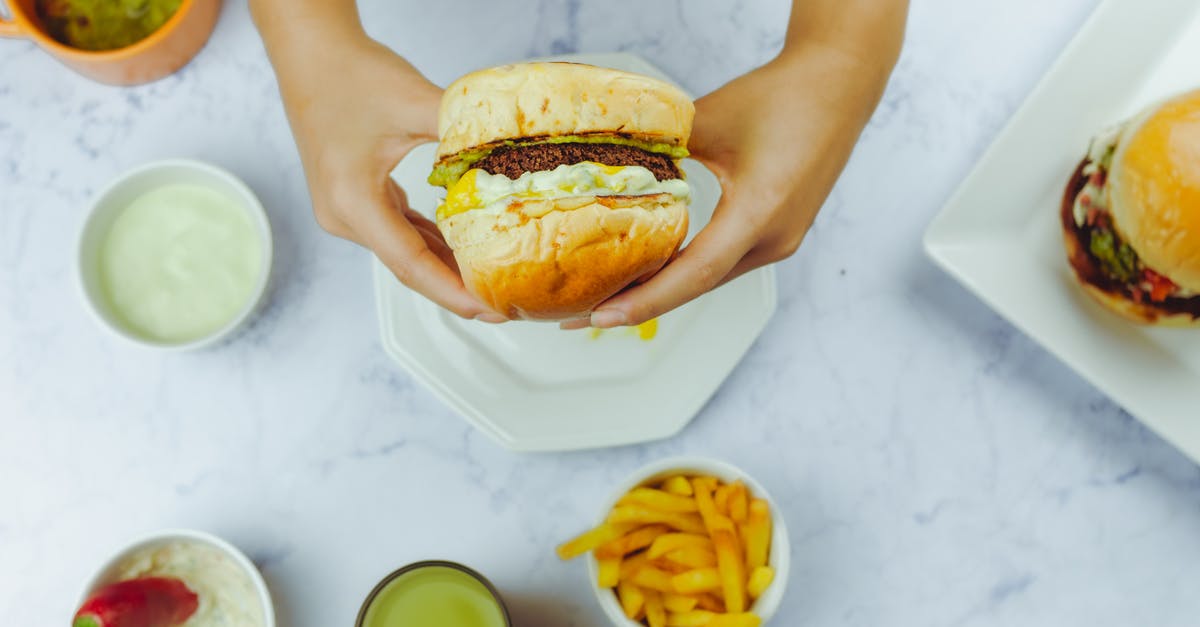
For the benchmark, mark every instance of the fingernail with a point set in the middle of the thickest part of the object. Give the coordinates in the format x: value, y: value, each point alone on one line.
x: 606, y: 318
x: 491, y: 318
x: 578, y: 323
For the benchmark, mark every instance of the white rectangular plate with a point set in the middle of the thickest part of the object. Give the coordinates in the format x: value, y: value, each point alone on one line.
x: 999, y: 235
x: 533, y: 387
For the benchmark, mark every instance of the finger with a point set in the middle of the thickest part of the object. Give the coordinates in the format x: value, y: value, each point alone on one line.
x: 432, y: 235
x: 400, y: 198
x: 428, y: 230
x: 712, y: 142
x: 402, y: 248
x: 575, y: 323
x: 698, y: 269
x: 335, y: 227
x: 434, y: 241
x: 426, y: 227
x: 746, y: 264
x: 754, y: 260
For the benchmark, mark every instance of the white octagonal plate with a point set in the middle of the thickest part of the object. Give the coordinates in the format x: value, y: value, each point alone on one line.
x: 533, y: 387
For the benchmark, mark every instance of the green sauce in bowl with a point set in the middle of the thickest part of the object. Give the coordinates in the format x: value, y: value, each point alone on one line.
x: 104, y: 24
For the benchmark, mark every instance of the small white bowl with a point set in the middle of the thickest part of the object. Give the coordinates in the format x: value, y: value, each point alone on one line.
x: 779, y: 558
x: 106, y: 573
x: 128, y: 187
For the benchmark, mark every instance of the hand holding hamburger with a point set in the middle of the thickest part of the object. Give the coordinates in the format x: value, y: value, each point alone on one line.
x: 776, y: 148
x: 777, y: 138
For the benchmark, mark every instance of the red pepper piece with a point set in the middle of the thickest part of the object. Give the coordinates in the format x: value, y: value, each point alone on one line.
x: 1160, y: 286
x: 144, y: 602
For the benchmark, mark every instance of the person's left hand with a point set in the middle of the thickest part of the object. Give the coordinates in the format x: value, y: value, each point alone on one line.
x: 777, y: 139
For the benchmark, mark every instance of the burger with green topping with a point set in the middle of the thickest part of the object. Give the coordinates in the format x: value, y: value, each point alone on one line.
x: 563, y: 184
x: 1131, y: 216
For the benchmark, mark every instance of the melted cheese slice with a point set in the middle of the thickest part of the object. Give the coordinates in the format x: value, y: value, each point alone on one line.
x: 479, y: 190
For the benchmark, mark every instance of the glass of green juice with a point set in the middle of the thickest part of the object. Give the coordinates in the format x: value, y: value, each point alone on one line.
x: 434, y: 594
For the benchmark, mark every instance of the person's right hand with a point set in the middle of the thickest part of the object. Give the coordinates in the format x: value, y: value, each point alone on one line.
x: 356, y: 109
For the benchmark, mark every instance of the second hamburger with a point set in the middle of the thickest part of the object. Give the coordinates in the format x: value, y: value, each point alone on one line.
x: 1131, y: 216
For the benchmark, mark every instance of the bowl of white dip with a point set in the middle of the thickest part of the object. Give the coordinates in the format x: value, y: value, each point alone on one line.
x: 175, y: 255
x: 231, y: 591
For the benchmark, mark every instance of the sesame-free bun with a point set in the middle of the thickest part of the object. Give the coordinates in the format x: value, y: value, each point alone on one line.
x: 553, y: 99
x: 1155, y: 189
x: 557, y: 259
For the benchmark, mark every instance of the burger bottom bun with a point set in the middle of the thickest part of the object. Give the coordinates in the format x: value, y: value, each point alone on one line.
x: 558, y: 259
x: 1088, y: 274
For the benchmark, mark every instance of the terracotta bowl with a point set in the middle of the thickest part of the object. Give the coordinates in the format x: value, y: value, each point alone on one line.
x: 162, y: 53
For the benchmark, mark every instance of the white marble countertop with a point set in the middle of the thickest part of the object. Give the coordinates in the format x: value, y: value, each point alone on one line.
x: 935, y: 466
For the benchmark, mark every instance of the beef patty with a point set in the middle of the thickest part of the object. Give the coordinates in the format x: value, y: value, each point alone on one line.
x: 513, y: 161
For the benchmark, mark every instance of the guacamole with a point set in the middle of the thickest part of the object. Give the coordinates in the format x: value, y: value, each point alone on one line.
x: 104, y: 24
x: 1117, y: 258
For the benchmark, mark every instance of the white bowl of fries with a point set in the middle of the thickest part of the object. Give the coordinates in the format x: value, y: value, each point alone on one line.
x: 687, y: 542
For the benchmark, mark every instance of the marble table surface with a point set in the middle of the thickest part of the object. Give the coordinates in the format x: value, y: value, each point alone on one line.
x: 935, y: 466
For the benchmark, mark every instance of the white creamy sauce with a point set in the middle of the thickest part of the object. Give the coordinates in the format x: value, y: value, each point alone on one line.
x: 577, y: 180
x: 227, y: 596
x: 478, y: 190
x: 1101, y: 147
x: 1105, y: 140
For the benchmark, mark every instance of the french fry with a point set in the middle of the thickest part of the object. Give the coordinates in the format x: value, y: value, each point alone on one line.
x: 757, y: 534
x: 633, y: 600
x: 696, y: 581
x: 710, y: 603
x: 660, y: 500
x: 678, y: 485
x: 732, y: 568
x: 642, y: 515
x: 692, y: 557
x: 674, y: 568
x: 703, y: 488
x: 656, y: 613
x: 632, y: 564
x: 739, y: 502
x: 721, y: 499
x: 744, y: 619
x: 608, y: 572
x: 593, y: 538
x: 760, y: 580
x: 679, y: 603
x: 630, y: 542
x: 669, y: 542
x: 694, y: 618
x: 651, y: 578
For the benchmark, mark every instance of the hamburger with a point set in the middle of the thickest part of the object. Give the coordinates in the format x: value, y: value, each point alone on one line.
x: 563, y: 183
x: 1131, y: 216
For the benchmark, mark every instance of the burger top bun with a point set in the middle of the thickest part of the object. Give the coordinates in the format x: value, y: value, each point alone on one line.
x: 1155, y: 189
x: 549, y: 99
